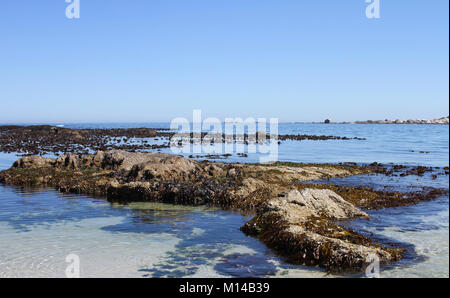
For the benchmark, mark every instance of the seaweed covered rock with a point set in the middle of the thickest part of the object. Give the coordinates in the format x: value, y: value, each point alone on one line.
x: 300, y: 226
x: 69, y: 161
x: 144, y: 166
x: 33, y: 162
x: 314, y: 202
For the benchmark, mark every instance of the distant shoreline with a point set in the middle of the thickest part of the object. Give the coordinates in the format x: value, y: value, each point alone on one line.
x: 443, y: 120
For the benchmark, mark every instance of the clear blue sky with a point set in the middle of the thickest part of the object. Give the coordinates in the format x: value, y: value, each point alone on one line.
x: 153, y: 60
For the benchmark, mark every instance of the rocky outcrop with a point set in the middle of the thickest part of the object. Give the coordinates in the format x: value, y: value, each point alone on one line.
x: 298, y: 222
x: 298, y: 205
x: 300, y: 226
x: 33, y: 162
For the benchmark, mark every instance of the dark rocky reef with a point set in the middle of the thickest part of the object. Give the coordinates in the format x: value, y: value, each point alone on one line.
x: 43, y: 139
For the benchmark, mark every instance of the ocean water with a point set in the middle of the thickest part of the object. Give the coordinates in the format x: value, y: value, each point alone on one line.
x: 40, y: 227
x: 384, y: 143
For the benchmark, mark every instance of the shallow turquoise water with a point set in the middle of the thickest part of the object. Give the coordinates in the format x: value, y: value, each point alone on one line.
x: 40, y: 227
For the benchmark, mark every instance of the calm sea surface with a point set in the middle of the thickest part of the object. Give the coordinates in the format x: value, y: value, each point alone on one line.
x: 40, y: 227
